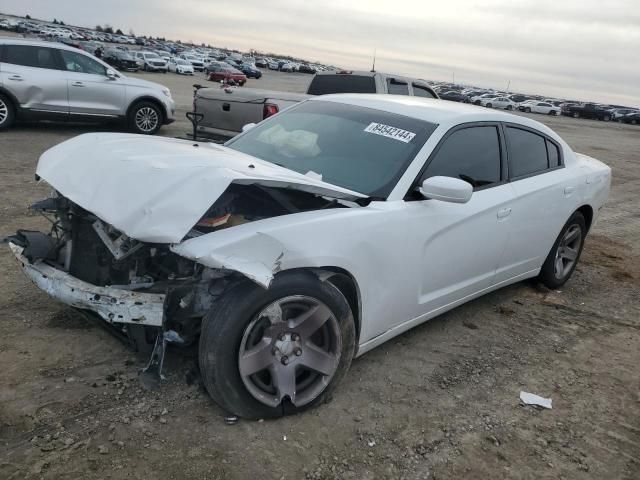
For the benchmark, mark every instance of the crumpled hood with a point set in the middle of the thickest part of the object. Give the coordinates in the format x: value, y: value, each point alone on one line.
x: 155, y: 189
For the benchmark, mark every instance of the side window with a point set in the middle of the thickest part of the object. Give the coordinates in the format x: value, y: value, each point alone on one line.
x: 422, y: 91
x: 554, y: 154
x: 397, y: 87
x: 31, y: 56
x: 527, y: 152
x: 76, y: 62
x: 471, y: 154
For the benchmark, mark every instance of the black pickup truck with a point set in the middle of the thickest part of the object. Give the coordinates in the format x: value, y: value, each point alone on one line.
x: 586, y: 110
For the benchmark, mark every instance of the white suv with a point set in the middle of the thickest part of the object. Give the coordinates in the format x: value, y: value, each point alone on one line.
x: 151, y: 62
x: 52, y: 81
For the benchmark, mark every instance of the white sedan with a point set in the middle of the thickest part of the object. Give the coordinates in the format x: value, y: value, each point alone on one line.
x: 310, y: 238
x: 180, y: 66
x: 545, y: 108
x: 498, y: 102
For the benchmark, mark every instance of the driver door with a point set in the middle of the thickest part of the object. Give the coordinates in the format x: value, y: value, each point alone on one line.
x: 455, y: 249
x: 90, y: 91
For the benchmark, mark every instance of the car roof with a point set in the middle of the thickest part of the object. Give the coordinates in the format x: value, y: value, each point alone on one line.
x: 431, y: 110
x: 36, y: 43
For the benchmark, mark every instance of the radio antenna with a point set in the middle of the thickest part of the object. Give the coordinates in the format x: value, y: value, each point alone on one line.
x: 373, y: 68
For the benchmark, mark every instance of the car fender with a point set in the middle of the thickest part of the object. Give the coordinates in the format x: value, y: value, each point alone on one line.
x: 364, y: 242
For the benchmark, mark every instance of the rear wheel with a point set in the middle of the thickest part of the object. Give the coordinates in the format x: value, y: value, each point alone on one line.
x: 576, y: 115
x: 528, y: 110
x: 7, y: 112
x: 564, y: 256
x: 268, y: 353
x: 145, y: 118
x: 553, y: 112
x: 509, y: 107
x: 488, y: 105
x: 606, y: 118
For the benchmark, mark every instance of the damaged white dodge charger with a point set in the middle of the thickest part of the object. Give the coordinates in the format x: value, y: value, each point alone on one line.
x: 308, y: 239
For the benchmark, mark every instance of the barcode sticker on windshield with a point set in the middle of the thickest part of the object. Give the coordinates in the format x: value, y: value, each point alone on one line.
x: 390, y: 132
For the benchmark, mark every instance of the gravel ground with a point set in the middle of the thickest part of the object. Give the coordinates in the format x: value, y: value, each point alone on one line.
x: 440, y: 401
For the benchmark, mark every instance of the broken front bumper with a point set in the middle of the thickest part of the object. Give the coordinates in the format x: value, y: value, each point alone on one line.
x: 111, y: 304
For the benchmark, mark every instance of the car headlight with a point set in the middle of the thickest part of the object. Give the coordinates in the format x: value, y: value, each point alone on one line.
x: 167, y: 92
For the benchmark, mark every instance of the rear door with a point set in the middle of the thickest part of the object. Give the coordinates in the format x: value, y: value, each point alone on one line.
x: 33, y: 75
x: 544, y: 198
x: 91, y: 92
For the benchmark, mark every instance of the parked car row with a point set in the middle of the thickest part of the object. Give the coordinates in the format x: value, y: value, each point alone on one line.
x: 535, y: 104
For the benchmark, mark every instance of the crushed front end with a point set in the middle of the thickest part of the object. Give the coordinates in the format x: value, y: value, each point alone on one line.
x: 139, y: 289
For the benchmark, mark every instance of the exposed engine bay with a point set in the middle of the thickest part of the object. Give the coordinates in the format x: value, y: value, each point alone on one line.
x: 94, y: 252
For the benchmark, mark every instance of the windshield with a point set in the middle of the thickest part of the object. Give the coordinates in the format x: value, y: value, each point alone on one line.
x: 151, y: 55
x: 362, y: 149
x: 179, y: 61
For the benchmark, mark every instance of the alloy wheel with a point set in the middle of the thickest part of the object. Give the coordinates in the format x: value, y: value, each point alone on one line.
x: 291, y: 349
x: 146, y: 119
x: 4, y: 111
x: 567, y: 251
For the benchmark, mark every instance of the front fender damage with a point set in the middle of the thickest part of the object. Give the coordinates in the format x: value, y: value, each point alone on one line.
x: 258, y: 257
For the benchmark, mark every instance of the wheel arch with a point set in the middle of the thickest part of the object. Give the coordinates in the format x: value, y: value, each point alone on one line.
x: 348, y: 286
x: 12, y: 98
x: 587, y: 212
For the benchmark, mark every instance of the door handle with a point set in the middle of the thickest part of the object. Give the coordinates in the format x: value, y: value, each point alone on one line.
x: 504, y: 212
x: 18, y: 78
x: 77, y: 84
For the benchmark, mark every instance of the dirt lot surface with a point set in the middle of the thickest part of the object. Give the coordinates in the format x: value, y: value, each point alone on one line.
x: 440, y: 401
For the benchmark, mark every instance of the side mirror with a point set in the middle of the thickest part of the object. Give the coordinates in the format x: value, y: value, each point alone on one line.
x: 111, y: 74
x: 446, y: 189
x: 248, y: 126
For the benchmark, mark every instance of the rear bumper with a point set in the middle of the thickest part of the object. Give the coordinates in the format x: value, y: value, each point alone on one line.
x: 111, y: 304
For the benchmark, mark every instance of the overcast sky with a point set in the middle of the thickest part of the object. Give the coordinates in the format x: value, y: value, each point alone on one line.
x: 579, y: 49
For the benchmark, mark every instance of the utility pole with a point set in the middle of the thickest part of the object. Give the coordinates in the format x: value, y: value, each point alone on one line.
x: 373, y: 68
x: 508, y: 85
x: 453, y: 77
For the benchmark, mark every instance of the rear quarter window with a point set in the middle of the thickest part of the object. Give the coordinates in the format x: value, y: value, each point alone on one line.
x: 341, y: 83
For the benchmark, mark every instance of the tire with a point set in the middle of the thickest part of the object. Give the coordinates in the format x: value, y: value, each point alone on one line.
x: 553, y: 113
x: 634, y: 122
x: 145, y: 118
x: 509, y: 107
x: 606, y: 118
x: 553, y: 274
x: 230, y: 326
x: 488, y: 105
x: 528, y: 110
x: 576, y: 115
x: 7, y: 112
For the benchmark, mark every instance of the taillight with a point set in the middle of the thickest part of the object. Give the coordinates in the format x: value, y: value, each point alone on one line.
x: 269, y: 110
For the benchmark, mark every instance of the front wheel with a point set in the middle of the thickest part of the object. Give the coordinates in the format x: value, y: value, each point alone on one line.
x: 528, y: 110
x: 268, y: 353
x: 145, y: 118
x: 488, y: 105
x: 7, y: 113
x: 565, y: 253
x: 509, y: 107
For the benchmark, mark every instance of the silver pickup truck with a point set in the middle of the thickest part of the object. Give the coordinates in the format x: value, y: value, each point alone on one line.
x: 227, y: 110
